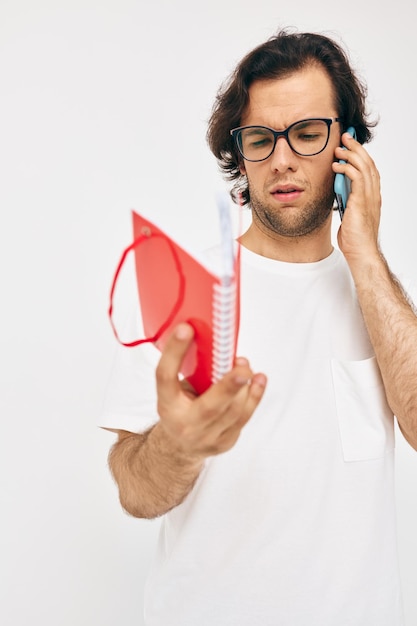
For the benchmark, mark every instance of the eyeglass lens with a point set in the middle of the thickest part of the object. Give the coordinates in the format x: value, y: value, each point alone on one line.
x: 306, y: 138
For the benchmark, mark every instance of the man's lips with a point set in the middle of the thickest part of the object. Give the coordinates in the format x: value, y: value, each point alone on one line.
x: 286, y: 193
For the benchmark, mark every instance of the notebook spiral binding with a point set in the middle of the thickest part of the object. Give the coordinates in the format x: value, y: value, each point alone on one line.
x: 224, y: 327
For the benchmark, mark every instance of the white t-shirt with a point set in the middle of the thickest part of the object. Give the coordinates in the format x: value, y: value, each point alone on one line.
x: 295, y: 525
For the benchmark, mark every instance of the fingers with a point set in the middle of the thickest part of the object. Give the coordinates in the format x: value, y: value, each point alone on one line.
x: 231, y: 428
x: 359, y: 166
x: 358, y: 234
x: 210, y: 423
x: 227, y: 406
x: 244, y: 403
x: 252, y: 387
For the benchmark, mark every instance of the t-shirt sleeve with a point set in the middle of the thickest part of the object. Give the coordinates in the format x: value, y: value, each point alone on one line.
x: 130, y: 396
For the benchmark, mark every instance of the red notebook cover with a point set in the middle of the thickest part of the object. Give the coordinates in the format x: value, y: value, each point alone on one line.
x: 175, y: 287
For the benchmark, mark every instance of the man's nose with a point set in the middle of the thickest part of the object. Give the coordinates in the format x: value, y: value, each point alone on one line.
x: 283, y: 158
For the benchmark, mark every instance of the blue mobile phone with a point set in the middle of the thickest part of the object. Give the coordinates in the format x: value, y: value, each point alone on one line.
x: 342, y: 183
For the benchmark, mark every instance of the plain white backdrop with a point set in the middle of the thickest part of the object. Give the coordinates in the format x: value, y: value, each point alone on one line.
x: 103, y: 108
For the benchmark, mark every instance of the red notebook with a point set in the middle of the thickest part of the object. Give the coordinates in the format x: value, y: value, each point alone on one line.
x: 173, y: 287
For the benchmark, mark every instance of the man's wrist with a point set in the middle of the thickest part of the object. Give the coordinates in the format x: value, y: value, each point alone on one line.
x: 168, y: 446
x: 367, y: 268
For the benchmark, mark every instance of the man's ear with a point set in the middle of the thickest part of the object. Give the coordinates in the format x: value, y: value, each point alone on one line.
x: 242, y: 168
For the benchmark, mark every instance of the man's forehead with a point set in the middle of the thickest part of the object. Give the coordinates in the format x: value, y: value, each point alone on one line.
x: 307, y: 89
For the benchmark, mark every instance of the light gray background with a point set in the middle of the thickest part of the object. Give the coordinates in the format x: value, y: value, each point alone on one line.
x: 103, y: 107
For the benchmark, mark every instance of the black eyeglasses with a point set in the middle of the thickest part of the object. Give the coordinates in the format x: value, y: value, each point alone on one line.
x: 306, y: 138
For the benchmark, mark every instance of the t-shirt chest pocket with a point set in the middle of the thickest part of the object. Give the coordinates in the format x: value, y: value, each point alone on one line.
x: 365, y: 420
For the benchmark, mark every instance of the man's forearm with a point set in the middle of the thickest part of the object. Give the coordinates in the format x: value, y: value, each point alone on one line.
x: 152, y: 476
x: 392, y: 327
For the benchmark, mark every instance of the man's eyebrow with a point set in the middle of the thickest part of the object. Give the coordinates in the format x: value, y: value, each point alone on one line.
x: 255, y: 129
x: 304, y: 123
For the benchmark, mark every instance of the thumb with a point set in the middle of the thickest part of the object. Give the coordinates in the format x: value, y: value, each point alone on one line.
x: 169, y: 365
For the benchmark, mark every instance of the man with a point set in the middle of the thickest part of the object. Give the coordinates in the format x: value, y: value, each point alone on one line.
x: 278, y: 494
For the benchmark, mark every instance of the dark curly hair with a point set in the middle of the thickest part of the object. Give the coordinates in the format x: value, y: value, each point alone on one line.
x: 278, y: 57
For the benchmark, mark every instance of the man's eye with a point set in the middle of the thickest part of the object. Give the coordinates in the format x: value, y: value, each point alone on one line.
x: 308, y: 136
x: 261, y: 142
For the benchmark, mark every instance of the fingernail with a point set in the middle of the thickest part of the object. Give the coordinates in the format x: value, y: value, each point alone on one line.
x: 182, y: 332
x: 259, y: 383
x: 259, y: 380
x: 241, y: 380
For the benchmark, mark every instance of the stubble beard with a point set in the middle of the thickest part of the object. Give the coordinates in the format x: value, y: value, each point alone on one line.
x: 291, y: 223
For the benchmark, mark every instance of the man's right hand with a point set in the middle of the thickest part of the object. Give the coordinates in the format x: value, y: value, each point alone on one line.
x: 157, y: 469
x: 209, y: 424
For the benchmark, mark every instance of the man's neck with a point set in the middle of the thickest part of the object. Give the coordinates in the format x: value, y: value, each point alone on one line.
x: 306, y: 249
